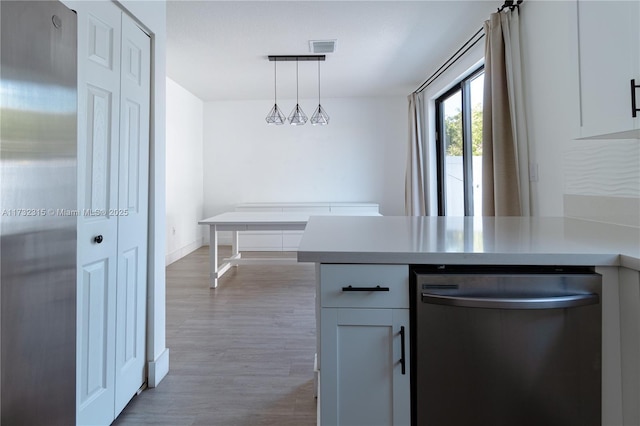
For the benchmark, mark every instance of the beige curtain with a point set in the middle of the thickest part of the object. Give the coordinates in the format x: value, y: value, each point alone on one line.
x: 415, y: 198
x: 505, y: 168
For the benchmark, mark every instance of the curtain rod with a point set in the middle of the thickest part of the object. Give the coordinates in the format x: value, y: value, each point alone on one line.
x: 479, y: 35
x: 511, y: 4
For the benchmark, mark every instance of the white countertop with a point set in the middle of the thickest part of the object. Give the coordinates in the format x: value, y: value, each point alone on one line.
x: 470, y: 240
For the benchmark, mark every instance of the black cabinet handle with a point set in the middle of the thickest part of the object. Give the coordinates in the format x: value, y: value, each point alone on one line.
x: 376, y: 288
x: 402, y: 358
x: 98, y: 239
x: 634, y: 105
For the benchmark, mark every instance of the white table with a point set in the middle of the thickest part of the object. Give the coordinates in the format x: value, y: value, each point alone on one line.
x: 255, y: 221
x: 248, y: 221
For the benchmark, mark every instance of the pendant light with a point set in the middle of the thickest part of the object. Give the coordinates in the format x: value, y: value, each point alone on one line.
x: 297, y: 116
x: 275, y: 116
x: 320, y: 116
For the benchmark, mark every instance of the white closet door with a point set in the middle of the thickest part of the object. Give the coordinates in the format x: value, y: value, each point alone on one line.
x: 133, y: 197
x: 114, y: 101
x: 98, y: 112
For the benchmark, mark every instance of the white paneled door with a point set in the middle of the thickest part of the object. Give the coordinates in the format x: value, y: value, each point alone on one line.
x: 133, y: 195
x: 98, y: 133
x: 113, y: 153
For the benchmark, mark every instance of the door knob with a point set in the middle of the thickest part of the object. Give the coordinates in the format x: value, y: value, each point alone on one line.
x: 98, y: 239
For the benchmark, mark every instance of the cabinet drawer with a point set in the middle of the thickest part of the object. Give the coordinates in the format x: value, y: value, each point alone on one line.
x: 364, y: 280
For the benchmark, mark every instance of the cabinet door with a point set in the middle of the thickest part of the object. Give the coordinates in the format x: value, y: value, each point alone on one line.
x: 362, y: 381
x: 609, y: 57
x: 630, y: 344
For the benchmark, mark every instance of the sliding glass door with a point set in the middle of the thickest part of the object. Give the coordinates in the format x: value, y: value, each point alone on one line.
x: 459, y: 147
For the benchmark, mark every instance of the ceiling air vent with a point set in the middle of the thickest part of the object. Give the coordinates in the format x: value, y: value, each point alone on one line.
x: 322, y: 46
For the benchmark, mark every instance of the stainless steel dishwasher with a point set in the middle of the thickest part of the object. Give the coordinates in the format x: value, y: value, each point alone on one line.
x: 497, y: 345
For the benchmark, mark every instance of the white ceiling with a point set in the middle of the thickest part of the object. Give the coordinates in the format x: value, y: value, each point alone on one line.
x: 218, y: 49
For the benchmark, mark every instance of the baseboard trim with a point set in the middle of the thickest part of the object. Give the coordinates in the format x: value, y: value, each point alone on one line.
x: 158, y: 369
x: 183, y: 251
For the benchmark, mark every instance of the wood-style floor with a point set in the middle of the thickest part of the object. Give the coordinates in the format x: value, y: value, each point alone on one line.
x: 240, y: 354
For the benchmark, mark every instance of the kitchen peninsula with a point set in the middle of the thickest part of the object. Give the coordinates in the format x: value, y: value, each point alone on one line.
x: 375, y: 254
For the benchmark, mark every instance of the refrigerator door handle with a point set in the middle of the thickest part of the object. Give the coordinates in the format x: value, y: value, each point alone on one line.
x: 554, y: 302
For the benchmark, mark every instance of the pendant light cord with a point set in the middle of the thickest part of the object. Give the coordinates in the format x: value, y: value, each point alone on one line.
x: 318, y: 82
x: 297, y: 82
x: 275, y: 83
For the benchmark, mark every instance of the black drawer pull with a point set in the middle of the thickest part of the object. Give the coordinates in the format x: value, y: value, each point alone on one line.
x: 634, y: 107
x: 376, y: 288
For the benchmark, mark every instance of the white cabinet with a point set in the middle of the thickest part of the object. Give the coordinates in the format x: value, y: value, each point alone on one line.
x: 630, y: 344
x: 609, y: 58
x: 364, y: 345
x: 290, y: 240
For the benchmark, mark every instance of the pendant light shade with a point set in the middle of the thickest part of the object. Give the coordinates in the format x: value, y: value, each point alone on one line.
x: 320, y: 116
x: 297, y: 116
x: 275, y: 116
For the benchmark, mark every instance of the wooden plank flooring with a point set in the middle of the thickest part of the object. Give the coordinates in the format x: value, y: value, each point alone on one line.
x: 240, y: 354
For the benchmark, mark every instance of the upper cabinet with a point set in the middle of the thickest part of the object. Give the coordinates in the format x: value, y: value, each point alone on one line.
x: 609, y: 59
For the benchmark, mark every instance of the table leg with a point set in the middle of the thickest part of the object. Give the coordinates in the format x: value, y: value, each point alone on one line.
x: 213, y: 255
x: 234, y: 245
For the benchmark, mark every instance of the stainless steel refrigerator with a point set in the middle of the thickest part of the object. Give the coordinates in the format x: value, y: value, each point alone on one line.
x: 38, y: 223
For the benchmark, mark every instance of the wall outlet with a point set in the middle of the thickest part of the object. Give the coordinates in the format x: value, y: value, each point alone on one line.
x: 533, y: 172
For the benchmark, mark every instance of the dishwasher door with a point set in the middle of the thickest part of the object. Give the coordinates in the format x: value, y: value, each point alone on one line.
x: 497, y: 346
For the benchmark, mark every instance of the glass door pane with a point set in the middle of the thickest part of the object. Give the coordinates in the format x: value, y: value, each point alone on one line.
x: 453, y: 166
x: 477, y: 87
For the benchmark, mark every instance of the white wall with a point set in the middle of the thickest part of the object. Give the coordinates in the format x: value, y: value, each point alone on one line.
x: 587, y: 179
x: 360, y: 156
x: 184, y: 167
x: 550, y: 98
